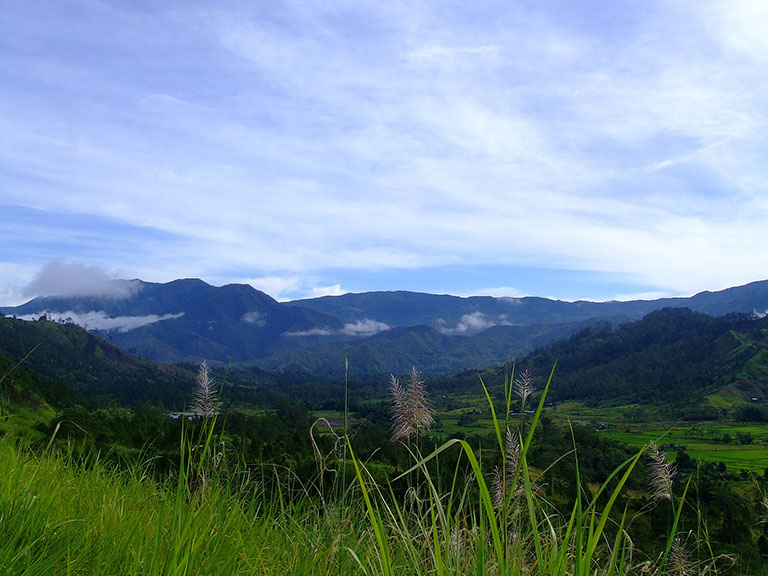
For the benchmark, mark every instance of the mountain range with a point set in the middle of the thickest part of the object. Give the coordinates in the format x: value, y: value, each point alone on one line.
x: 379, y: 332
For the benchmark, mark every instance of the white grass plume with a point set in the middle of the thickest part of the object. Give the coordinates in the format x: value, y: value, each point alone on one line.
x: 662, y: 474
x: 523, y: 385
x: 206, y: 398
x: 412, y: 411
x: 679, y: 558
x: 500, y: 485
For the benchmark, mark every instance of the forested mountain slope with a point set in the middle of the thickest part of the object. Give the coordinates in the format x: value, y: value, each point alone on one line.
x: 90, y: 365
x: 671, y: 355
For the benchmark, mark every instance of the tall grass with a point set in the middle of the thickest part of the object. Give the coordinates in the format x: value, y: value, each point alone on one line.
x: 65, y: 515
x: 507, y: 527
x: 62, y: 515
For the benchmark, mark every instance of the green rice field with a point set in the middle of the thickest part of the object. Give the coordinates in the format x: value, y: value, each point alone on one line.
x: 740, y: 446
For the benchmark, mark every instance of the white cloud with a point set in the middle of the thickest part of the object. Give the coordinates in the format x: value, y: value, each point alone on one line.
x: 292, y: 287
x: 254, y: 317
x: 276, y: 286
x: 626, y: 297
x: 688, y: 157
x: 741, y: 25
x: 98, y: 320
x: 62, y: 278
x: 17, y: 276
x: 312, y: 332
x: 334, y: 290
x: 496, y: 292
x: 472, y: 323
x: 364, y: 328
x: 446, y: 55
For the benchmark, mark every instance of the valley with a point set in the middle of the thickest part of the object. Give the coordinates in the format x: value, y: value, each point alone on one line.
x: 691, y: 383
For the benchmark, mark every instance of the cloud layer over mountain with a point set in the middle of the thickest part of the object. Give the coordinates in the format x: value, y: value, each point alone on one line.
x: 99, y: 320
x: 66, y: 279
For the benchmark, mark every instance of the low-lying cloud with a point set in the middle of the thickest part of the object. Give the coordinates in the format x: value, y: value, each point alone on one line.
x: 62, y: 278
x: 312, y: 332
x: 362, y: 328
x: 473, y: 323
x: 98, y: 320
x: 254, y: 317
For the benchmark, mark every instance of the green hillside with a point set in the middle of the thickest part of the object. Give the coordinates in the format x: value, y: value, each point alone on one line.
x: 90, y: 365
x: 673, y: 355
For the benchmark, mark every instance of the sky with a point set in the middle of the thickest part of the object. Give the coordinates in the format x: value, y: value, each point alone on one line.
x: 575, y: 150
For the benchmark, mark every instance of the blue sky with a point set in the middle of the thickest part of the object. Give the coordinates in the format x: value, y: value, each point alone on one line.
x: 576, y: 150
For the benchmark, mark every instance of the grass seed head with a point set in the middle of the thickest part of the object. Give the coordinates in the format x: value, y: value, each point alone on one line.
x: 512, y: 449
x: 523, y: 385
x: 497, y: 489
x: 679, y: 558
x: 412, y: 411
x: 206, y: 399
x: 662, y: 474
x: 500, y: 484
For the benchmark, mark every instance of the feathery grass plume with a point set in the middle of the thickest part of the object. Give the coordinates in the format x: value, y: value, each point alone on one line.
x: 764, y: 502
x: 523, y: 385
x: 206, y: 399
x: 412, y: 412
x: 512, y: 449
x: 498, y: 492
x: 500, y: 483
x: 679, y: 560
x: 662, y: 474
x: 400, y: 405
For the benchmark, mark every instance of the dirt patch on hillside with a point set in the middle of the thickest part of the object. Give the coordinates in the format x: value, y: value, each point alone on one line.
x: 749, y: 390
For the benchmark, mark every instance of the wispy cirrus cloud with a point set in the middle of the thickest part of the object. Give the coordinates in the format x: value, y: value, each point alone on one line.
x: 352, y: 138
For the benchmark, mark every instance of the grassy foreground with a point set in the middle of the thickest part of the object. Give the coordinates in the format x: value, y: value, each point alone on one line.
x: 61, y: 517
x: 61, y: 513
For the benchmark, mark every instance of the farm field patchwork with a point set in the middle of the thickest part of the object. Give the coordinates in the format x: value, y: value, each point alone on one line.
x: 705, y: 443
x: 739, y: 445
